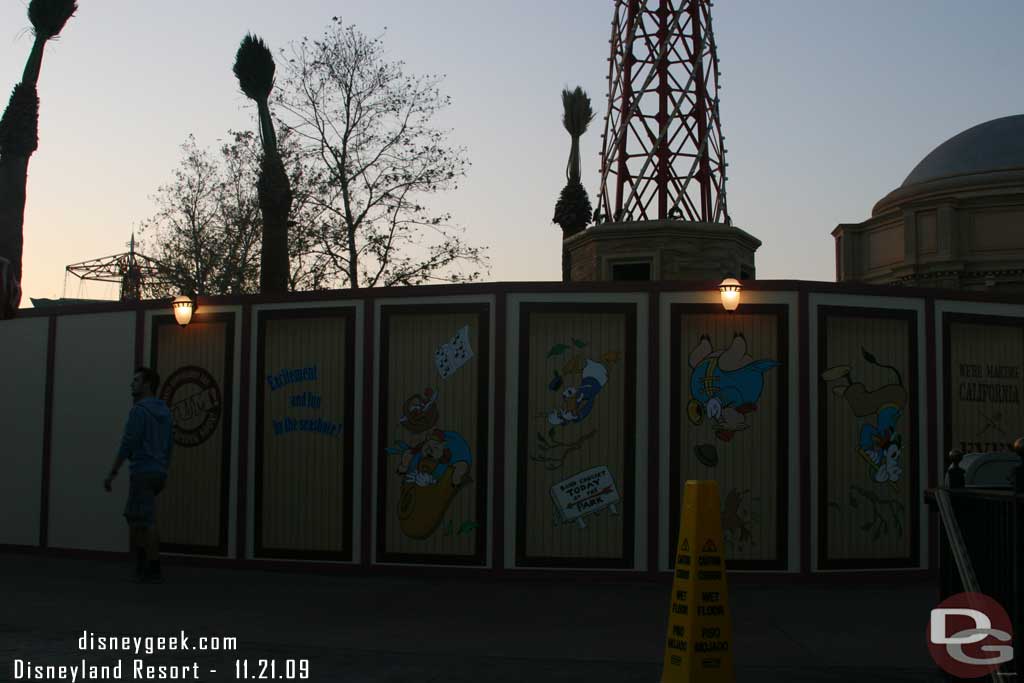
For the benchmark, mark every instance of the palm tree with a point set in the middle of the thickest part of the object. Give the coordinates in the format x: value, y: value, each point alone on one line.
x: 572, y: 211
x: 19, y: 136
x: 254, y: 68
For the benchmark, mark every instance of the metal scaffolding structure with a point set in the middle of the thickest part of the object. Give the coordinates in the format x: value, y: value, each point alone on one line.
x: 663, y: 153
x: 132, y: 270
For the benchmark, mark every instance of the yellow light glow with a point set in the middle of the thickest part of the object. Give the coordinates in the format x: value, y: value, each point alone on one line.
x: 730, y: 290
x: 183, y: 307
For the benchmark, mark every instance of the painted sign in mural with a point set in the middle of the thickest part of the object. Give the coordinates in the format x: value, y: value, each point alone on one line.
x: 728, y: 410
x: 304, y: 445
x: 984, y: 384
x: 577, y: 415
x: 867, y: 462
x: 196, y: 367
x: 194, y: 398
x: 433, y: 480
x: 584, y: 494
x: 301, y: 386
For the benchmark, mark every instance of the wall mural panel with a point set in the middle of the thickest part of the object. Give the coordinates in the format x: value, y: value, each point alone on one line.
x: 868, y: 493
x: 196, y: 366
x: 729, y: 410
x: 577, y: 435
x: 304, y: 448
x: 432, y: 465
x: 983, y: 383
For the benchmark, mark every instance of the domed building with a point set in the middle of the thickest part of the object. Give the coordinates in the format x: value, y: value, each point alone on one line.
x: 957, y: 221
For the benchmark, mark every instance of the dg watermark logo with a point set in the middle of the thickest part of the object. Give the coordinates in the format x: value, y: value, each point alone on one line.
x: 970, y: 635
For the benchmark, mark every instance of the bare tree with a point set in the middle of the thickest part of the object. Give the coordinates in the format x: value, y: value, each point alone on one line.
x: 208, y: 228
x: 367, y: 126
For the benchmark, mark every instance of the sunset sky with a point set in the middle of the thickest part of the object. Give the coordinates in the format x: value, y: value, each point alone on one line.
x: 826, y: 106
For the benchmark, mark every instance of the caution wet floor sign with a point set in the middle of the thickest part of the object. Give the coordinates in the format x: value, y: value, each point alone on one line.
x: 699, y: 644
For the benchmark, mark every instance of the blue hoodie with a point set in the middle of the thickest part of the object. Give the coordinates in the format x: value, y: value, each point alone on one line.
x: 148, y: 437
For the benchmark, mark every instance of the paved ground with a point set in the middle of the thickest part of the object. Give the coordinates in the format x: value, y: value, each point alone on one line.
x: 388, y: 629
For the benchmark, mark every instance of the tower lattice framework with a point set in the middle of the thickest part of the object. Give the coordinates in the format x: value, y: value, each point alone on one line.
x: 663, y: 151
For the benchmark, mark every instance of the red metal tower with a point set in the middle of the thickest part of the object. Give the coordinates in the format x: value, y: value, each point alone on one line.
x: 663, y: 151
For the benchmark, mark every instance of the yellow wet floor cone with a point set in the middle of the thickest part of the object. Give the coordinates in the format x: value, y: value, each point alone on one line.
x: 699, y: 644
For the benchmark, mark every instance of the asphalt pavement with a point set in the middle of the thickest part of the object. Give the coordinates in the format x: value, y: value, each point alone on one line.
x: 456, y: 630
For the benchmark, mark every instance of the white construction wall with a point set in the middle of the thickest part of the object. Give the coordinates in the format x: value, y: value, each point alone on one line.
x: 23, y: 373
x: 95, y: 357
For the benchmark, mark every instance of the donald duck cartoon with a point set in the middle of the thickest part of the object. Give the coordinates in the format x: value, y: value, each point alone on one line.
x: 725, y: 385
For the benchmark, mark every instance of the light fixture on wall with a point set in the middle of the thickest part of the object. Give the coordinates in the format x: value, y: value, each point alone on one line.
x: 183, y: 308
x: 730, y: 290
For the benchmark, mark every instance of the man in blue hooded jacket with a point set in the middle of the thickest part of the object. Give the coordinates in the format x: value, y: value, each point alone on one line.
x: 146, y: 444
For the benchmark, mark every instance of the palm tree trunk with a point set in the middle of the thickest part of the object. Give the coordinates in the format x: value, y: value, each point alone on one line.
x: 275, y: 197
x: 13, y: 179
x: 572, y: 171
x: 34, y: 63
x: 267, y: 134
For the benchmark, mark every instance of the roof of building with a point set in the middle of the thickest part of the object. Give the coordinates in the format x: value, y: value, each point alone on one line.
x: 38, y: 302
x: 995, y: 145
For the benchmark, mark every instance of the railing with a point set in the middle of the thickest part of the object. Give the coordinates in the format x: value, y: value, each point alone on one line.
x: 981, y: 549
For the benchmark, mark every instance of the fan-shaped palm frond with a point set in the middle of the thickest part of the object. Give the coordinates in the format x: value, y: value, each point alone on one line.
x: 576, y: 116
x: 254, y: 68
x: 49, y: 16
x: 577, y: 112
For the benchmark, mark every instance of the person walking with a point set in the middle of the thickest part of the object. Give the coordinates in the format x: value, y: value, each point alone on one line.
x: 146, y: 444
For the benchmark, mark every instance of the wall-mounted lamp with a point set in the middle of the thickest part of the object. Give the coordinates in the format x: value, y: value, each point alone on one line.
x: 183, y: 308
x: 730, y: 290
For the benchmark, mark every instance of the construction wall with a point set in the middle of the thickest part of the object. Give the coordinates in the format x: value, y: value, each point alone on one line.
x: 511, y: 428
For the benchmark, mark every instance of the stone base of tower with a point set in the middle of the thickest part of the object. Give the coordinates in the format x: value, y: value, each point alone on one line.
x: 661, y: 250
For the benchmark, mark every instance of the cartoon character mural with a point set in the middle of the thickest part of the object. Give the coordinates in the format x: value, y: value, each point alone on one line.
x: 725, y: 386
x: 879, y: 411
x: 738, y: 520
x: 578, y: 401
x: 437, y: 465
x: 583, y: 377
x: 434, y: 471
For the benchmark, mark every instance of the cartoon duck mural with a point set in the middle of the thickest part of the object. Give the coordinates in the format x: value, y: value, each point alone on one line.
x: 725, y: 386
x: 578, y: 400
x: 880, y: 411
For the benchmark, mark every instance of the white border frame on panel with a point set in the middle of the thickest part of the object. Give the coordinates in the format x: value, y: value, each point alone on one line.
x: 236, y: 391
x: 641, y: 488
x: 492, y: 301
x: 919, y: 305
x: 359, y: 322
x: 790, y: 299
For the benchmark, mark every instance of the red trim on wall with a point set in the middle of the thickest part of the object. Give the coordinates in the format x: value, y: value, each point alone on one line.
x: 245, y: 382
x: 653, y: 435
x: 523, y: 429
x: 44, y: 497
x: 481, y: 455
x: 348, y: 314
x: 505, y: 288
x: 931, y: 427
x: 367, y: 374
x: 497, y: 501
x: 227, y: 418
x: 677, y: 312
x: 804, y: 422
x: 911, y: 470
